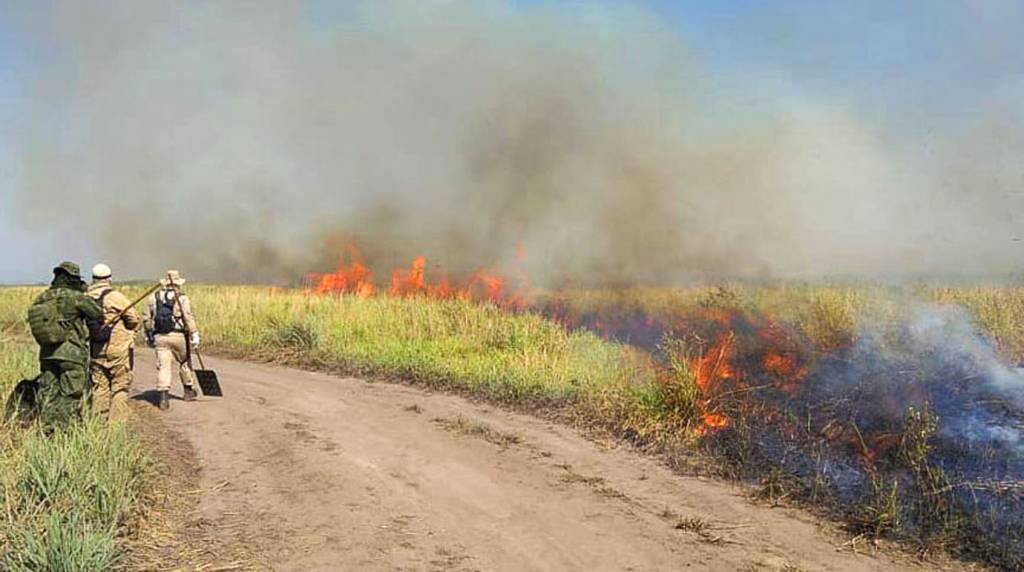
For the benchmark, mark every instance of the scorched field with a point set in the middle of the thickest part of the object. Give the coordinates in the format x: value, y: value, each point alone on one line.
x: 894, y: 411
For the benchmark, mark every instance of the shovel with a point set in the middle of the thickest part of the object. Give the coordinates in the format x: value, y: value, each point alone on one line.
x: 207, y: 379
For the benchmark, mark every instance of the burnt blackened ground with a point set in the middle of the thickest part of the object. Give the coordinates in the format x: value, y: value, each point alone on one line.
x: 912, y: 431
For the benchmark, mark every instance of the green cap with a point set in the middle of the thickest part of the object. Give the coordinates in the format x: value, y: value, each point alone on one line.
x: 69, y: 267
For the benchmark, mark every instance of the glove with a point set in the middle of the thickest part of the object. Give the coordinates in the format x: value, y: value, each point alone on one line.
x: 195, y: 340
x: 150, y: 339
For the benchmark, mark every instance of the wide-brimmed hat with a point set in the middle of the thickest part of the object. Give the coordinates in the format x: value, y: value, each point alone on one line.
x: 70, y: 268
x: 173, y: 277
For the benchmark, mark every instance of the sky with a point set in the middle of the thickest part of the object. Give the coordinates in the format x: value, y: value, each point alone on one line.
x: 10, y: 85
x: 915, y: 69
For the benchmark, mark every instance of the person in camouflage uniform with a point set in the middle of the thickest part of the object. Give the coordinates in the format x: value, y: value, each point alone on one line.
x: 64, y: 367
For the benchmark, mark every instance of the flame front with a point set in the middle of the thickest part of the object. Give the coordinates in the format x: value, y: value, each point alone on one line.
x: 354, y: 278
x: 713, y: 367
x: 417, y: 280
x: 741, y: 351
x: 749, y: 353
x: 711, y: 422
x: 711, y: 370
x: 786, y: 368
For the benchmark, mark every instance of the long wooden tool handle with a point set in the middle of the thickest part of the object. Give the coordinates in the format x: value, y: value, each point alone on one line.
x: 184, y: 322
x: 134, y: 303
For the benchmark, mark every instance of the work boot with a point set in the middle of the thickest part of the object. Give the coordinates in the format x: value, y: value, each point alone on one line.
x: 190, y: 393
x: 165, y: 400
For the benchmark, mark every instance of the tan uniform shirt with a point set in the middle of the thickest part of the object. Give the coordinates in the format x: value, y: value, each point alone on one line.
x: 122, y: 336
x: 183, y: 317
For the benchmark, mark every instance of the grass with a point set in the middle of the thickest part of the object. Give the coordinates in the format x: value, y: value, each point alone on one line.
x: 919, y: 487
x: 14, y: 302
x: 66, y: 496
x: 999, y: 311
x: 480, y: 430
x: 644, y: 390
x: 642, y: 387
x: 447, y: 344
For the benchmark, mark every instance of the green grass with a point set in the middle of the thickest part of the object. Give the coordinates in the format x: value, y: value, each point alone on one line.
x: 65, y: 496
x: 14, y: 303
x: 528, y: 361
x: 450, y: 344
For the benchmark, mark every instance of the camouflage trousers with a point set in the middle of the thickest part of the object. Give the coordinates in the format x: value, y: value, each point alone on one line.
x: 63, y: 391
x: 110, y: 385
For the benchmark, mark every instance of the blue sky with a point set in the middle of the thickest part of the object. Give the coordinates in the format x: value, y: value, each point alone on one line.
x: 909, y: 66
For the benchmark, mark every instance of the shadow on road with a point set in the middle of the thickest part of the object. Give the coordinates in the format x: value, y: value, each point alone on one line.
x: 152, y: 397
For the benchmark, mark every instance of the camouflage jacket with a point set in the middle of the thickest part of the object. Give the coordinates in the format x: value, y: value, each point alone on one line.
x: 76, y: 308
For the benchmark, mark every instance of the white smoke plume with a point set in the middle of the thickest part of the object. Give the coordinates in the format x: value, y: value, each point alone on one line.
x: 936, y: 357
x: 253, y: 140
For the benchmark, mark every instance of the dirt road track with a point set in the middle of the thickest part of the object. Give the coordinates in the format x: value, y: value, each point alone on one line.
x: 316, y: 472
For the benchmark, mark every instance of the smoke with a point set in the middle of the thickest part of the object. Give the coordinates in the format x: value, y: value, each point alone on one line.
x: 934, y: 357
x: 252, y: 142
x: 948, y: 334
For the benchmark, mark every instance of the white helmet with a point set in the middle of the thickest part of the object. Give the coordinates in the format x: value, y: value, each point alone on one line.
x: 100, y: 272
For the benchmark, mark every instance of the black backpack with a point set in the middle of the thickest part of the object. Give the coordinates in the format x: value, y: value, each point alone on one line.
x: 99, y: 331
x: 163, y: 320
x: 21, y: 405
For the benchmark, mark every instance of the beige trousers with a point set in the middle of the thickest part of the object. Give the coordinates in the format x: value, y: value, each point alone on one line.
x: 110, y: 390
x: 170, y: 350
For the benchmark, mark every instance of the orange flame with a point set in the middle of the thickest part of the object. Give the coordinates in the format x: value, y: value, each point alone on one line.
x: 713, y: 366
x: 711, y: 369
x: 354, y: 278
x: 482, y: 286
x: 711, y: 422
x: 410, y: 282
x: 746, y: 349
x: 785, y: 367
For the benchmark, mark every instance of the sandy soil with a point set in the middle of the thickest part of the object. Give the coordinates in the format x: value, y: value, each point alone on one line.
x: 309, y: 471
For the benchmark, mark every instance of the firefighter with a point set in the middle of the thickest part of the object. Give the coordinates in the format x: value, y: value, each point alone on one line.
x: 171, y: 329
x: 57, y: 319
x: 111, y: 340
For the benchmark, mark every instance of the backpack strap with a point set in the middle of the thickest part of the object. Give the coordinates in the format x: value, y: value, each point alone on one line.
x: 172, y: 304
x: 103, y: 295
x: 164, y: 297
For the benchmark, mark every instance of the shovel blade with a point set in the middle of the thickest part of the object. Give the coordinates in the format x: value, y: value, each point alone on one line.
x: 208, y: 382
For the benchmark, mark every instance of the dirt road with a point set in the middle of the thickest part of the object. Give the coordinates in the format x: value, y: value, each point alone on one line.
x: 316, y: 472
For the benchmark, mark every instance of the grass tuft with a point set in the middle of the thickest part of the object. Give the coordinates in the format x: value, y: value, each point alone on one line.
x: 642, y: 389
x: 481, y: 430
x: 66, y: 496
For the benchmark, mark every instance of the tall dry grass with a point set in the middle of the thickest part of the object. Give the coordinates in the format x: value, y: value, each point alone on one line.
x: 999, y: 311
x: 453, y: 344
x: 530, y: 361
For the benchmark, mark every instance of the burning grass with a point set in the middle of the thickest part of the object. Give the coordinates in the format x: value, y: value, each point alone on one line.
x: 857, y: 400
x: 896, y: 411
x: 893, y: 410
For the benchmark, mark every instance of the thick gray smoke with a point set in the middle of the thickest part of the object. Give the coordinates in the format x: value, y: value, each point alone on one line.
x: 250, y: 141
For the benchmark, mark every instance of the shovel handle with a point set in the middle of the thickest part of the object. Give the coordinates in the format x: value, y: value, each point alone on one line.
x: 131, y: 305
